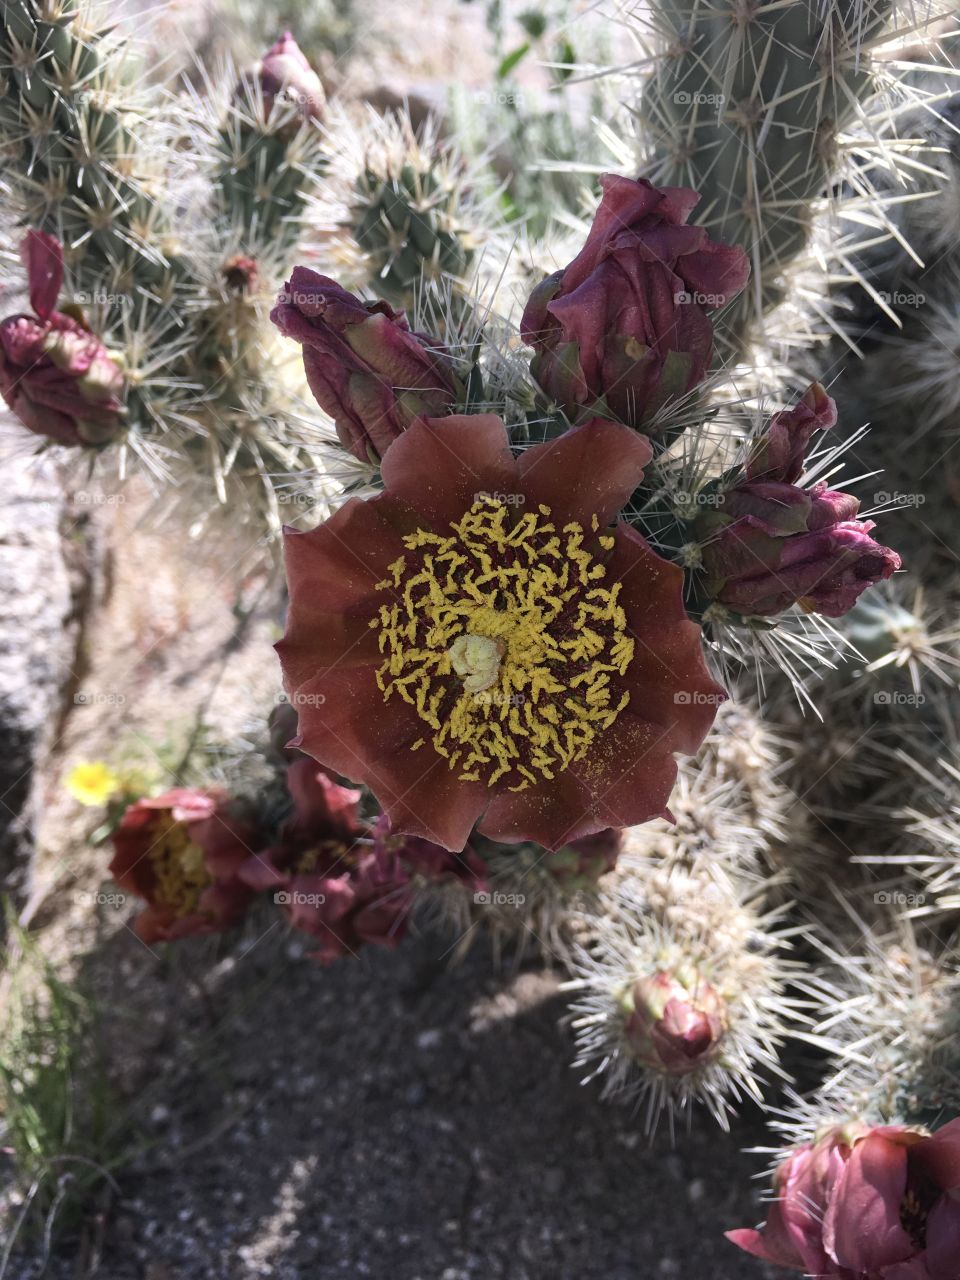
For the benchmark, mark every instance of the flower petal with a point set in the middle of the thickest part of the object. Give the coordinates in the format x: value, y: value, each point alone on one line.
x: 590, y: 470
x: 439, y: 465
x: 862, y: 1229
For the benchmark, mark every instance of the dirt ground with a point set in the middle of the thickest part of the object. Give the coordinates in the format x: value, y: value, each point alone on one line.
x: 390, y: 1117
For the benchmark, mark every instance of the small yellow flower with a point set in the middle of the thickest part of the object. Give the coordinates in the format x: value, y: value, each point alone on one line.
x: 92, y: 783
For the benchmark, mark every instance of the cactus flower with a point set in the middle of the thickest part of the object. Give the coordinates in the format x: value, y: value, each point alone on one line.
x: 768, y: 544
x: 625, y: 326
x: 368, y: 371
x: 285, y: 73
x: 879, y: 1203
x: 674, y: 1022
x: 57, y: 376
x: 592, y: 674
x: 181, y: 852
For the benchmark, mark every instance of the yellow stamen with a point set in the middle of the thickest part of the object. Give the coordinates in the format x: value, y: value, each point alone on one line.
x: 503, y: 638
x: 179, y: 866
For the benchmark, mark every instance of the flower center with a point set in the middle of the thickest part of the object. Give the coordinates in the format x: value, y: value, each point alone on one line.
x: 502, y: 637
x: 179, y: 867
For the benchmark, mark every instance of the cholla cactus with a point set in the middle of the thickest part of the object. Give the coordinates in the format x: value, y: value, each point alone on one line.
x: 401, y: 208
x: 761, y: 108
x: 173, y: 273
x: 681, y: 994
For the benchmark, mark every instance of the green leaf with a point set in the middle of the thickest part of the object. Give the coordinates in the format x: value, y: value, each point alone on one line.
x: 512, y: 60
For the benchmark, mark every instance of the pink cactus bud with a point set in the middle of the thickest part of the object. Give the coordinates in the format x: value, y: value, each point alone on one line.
x: 768, y: 544
x: 674, y: 1021
x: 57, y: 376
x: 624, y: 328
x: 285, y: 74
x: 368, y: 371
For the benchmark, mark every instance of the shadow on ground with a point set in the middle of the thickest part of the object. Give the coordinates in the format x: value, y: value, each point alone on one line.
x: 389, y: 1117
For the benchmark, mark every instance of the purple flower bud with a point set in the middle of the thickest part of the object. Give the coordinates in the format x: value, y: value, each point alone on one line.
x: 624, y: 328
x: 675, y: 1022
x: 285, y: 73
x: 769, y: 544
x: 368, y: 371
x: 57, y: 376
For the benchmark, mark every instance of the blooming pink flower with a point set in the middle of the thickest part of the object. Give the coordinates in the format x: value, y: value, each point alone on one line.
x: 625, y: 326
x: 368, y: 371
x: 478, y: 644
x: 57, y: 376
x: 768, y: 544
x: 181, y: 852
x: 864, y: 1203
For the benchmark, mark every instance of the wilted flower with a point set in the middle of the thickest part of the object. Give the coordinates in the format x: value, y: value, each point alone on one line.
x: 338, y: 879
x: 624, y: 328
x: 181, y: 852
x: 284, y: 72
x: 581, y: 674
x: 863, y: 1203
x: 92, y: 783
x: 674, y: 1022
x: 368, y: 371
x: 57, y: 376
x: 768, y: 544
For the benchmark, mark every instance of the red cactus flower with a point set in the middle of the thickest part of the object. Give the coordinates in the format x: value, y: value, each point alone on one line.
x: 871, y: 1203
x: 365, y: 367
x: 769, y: 544
x: 57, y: 376
x: 475, y: 644
x: 624, y: 327
x: 181, y: 853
